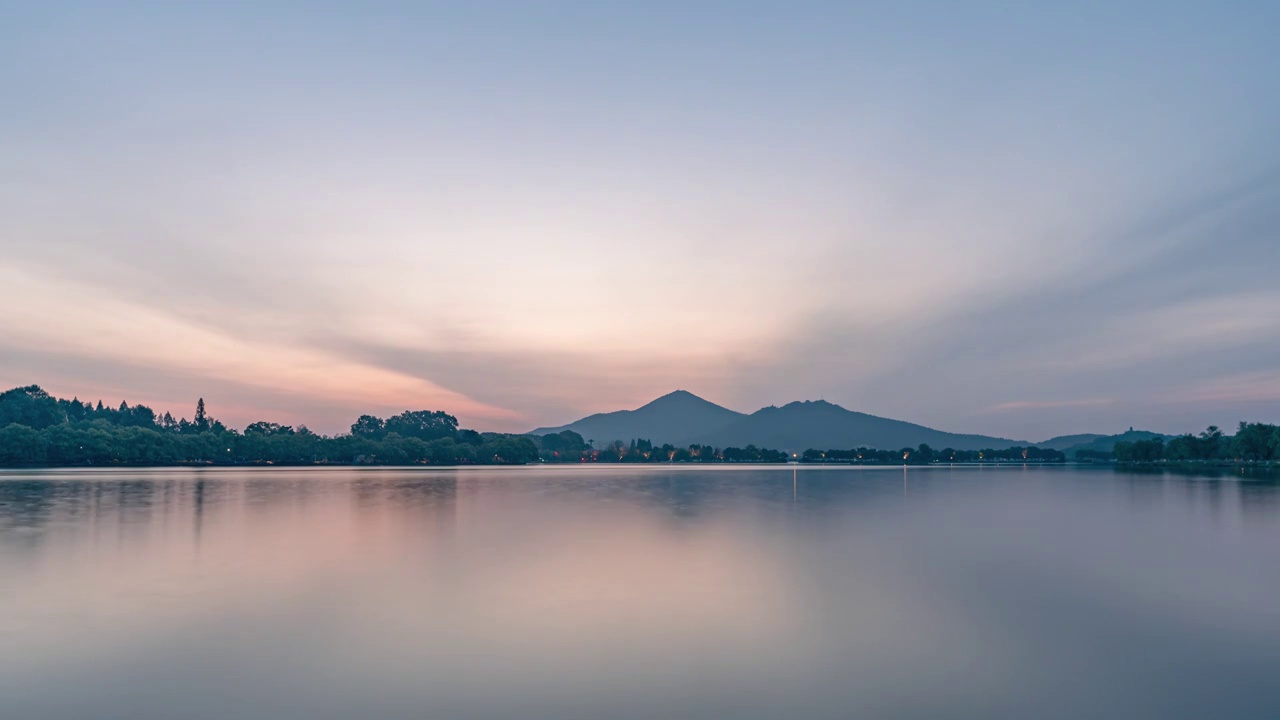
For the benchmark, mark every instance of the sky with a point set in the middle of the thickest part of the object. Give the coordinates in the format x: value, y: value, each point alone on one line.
x: 1020, y: 219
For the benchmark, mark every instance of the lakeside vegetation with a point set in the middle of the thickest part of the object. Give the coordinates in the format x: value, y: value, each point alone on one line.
x: 79, y: 434
x: 925, y: 455
x: 1252, y: 443
x: 37, y: 429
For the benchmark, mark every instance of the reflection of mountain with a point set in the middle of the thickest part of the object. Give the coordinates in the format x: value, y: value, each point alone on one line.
x: 682, y: 418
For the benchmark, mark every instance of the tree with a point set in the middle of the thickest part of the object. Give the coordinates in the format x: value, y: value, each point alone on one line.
x: 508, y: 450
x: 30, y: 406
x: 21, y: 445
x: 368, y: 426
x: 1142, y: 451
x: 74, y: 410
x: 1185, y: 447
x: 1212, y: 445
x: 268, y: 428
x: 423, y: 424
x: 202, y: 419
x: 1253, y: 441
x: 566, y: 445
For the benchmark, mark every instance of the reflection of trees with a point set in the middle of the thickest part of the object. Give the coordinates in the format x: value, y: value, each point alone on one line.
x: 1254, y: 473
x: 25, y: 509
x: 1256, y: 494
x: 34, y: 505
x: 79, y: 501
x: 1259, y: 503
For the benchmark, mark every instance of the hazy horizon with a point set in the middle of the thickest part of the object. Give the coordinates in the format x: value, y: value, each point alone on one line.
x: 1015, y: 221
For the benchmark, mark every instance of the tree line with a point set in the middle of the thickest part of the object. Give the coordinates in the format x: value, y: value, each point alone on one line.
x: 568, y: 446
x: 39, y: 429
x: 925, y: 455
x: 1252, y: 443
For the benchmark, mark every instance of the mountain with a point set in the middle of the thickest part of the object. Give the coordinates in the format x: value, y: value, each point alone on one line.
x: 1062, y: 442
x: 670, y: 419
x: 821, y: 425
x: 1107, y: 443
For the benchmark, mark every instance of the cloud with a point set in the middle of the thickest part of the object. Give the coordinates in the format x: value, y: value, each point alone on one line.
x: 1253, y: 388
x: 550, y: 385
x: 761, y: 212
x: 75, y: 322
x: 1039, y: 405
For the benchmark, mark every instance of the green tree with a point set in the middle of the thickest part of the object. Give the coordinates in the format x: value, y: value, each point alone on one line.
x: 564, y: 446
x: 30, y: 406
x: 1185, y: 447
x: 268, y: 428
x: 369, y: 426
x: 201, y: 421
x: 423, y: 424
x: 21, y: 445
x: 1212, y: 444
x: 1253, y: 441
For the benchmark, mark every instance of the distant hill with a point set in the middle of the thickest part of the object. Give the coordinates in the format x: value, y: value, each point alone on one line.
x: 822, y: 425
x: 671, y: 418
x: 1107, y: 443
x: 1062, y: 442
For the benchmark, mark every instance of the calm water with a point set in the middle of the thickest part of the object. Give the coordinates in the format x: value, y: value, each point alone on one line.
x: 638, y: 593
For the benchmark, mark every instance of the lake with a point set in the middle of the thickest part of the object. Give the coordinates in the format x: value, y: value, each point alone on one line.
x: 638, y: 592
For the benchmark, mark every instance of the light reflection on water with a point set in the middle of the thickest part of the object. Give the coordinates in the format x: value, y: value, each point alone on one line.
x: 637, y: 592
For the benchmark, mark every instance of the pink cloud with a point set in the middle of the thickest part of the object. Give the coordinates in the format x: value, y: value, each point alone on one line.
x: 1022, y: 405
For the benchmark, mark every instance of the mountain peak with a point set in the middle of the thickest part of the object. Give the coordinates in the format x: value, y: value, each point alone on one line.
x: 681, y: 418
x: 677, y: 396
x: 811, y: 405
x: 807, y: 424
x: 674, y: 418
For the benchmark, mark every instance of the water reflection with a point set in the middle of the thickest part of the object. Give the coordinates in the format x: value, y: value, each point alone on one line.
x: 637, y: 592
